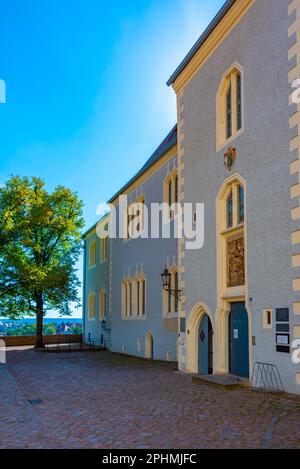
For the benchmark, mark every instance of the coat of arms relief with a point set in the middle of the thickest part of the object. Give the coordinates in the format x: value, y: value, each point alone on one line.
x: 229, y: 158
x: 236, y: 262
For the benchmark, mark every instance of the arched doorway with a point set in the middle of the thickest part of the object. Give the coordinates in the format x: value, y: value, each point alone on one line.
x: 199, y: 346
x: 205, y: 346
x: 238, y: 334
x: 149, y: 345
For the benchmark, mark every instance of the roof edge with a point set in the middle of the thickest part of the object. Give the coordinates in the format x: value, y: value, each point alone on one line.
x: 156, y: 155
x: 204, y: 36
x: 92, y: 228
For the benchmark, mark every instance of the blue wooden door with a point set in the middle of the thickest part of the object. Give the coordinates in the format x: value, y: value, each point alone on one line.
x: 238, y: 340
x: 205, y: 347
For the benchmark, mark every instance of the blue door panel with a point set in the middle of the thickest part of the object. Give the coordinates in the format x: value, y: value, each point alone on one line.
x: 238, y: 340
x: 203, y: 346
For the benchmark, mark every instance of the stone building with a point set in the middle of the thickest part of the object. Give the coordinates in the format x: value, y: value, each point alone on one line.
x: 236, y: 150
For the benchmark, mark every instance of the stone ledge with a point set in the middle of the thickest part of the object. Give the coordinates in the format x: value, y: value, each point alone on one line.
x: 223, y: 381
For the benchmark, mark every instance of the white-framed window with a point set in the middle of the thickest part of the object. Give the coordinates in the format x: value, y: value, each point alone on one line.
x: 135, y: 217
x: 92, y: 253
x: 140, y: 296
x: 234, y: 206
x: 127, y: 309
x: 102, y: 304
x: 103, y: 249
x: 230, y: 106
x: 91, y: 306
x: 267, y: 318
x: 171, y: 195
x: 123, y: 298
x: 133, y: 297
x: 232, y: 232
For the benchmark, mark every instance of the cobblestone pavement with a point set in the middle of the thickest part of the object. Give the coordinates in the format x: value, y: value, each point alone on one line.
x: 103, y: 400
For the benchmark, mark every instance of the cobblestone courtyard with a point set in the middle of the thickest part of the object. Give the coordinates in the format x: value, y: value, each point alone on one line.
x: 102, y: 400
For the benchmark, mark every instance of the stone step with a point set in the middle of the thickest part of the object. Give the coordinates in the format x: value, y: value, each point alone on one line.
x: 225, y: 381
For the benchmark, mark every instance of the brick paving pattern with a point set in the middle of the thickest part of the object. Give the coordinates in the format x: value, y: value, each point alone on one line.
x: 103, y: 400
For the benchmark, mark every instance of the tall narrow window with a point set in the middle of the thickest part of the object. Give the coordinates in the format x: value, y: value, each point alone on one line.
x: 129, y: 312
x: 176, y: 188
x: 171, y: 195
x: 228, y: 113
x: 230, y: 106
x: 103, y: 251
x: 102, y: 304
x: 229, y: 210
x: 170, y: 192
x: 91, y: 306
x: 241, y: 205
x: 130, y: 217
x: 138, y: 300
x: 239, y: 100
x: 143, y: 297
x: 141, y: 214
x: 92, y: 254
x: 233, y: 244
x: 124, y: 298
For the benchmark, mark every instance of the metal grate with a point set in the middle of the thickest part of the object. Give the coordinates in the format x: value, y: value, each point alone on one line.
x: 266, y: 376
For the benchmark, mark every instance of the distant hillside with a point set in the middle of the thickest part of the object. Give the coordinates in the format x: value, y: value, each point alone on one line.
x: 46, y: 320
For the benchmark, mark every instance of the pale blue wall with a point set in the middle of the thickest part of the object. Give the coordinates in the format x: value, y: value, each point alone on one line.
x: 96, y: 278
x: 151, y: 256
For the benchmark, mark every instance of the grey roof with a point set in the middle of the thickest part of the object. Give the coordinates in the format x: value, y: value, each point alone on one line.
x: 167, y: 144
x: 222, y: 12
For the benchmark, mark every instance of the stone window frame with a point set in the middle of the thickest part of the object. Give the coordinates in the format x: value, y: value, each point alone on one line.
x: 103, y: 249
x: 131, y: 308
x: 225, y: 234
x: 229, y: 81
x: 102, y: 303
x: 91, y: 306
x: 171, y: 190
x: 128, y: 217
x: 92, y: 254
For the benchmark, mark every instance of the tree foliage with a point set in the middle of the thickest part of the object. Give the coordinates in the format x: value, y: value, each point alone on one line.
x: 40, y: 242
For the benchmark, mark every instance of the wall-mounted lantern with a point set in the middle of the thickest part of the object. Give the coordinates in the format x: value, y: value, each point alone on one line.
x: 166, y: 281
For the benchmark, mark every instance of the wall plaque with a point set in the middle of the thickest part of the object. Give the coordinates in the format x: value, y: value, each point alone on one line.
x: 282, y: 315
x: 236, y: 262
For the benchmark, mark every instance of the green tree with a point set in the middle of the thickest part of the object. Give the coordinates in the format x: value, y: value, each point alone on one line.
x: 27, y: 329
x: 49, y: 329
x: 40, y: 243
x: 76, y: 329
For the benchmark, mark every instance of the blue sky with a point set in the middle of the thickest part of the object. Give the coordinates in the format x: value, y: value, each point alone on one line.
x: 87, y: 101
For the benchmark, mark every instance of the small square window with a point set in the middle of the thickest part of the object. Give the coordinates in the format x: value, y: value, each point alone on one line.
x: 267, y: 318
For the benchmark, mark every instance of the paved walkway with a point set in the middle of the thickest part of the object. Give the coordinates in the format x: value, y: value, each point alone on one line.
x: 102, y: 400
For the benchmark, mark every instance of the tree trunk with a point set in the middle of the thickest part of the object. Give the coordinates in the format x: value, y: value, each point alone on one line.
x: 39, y: 340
